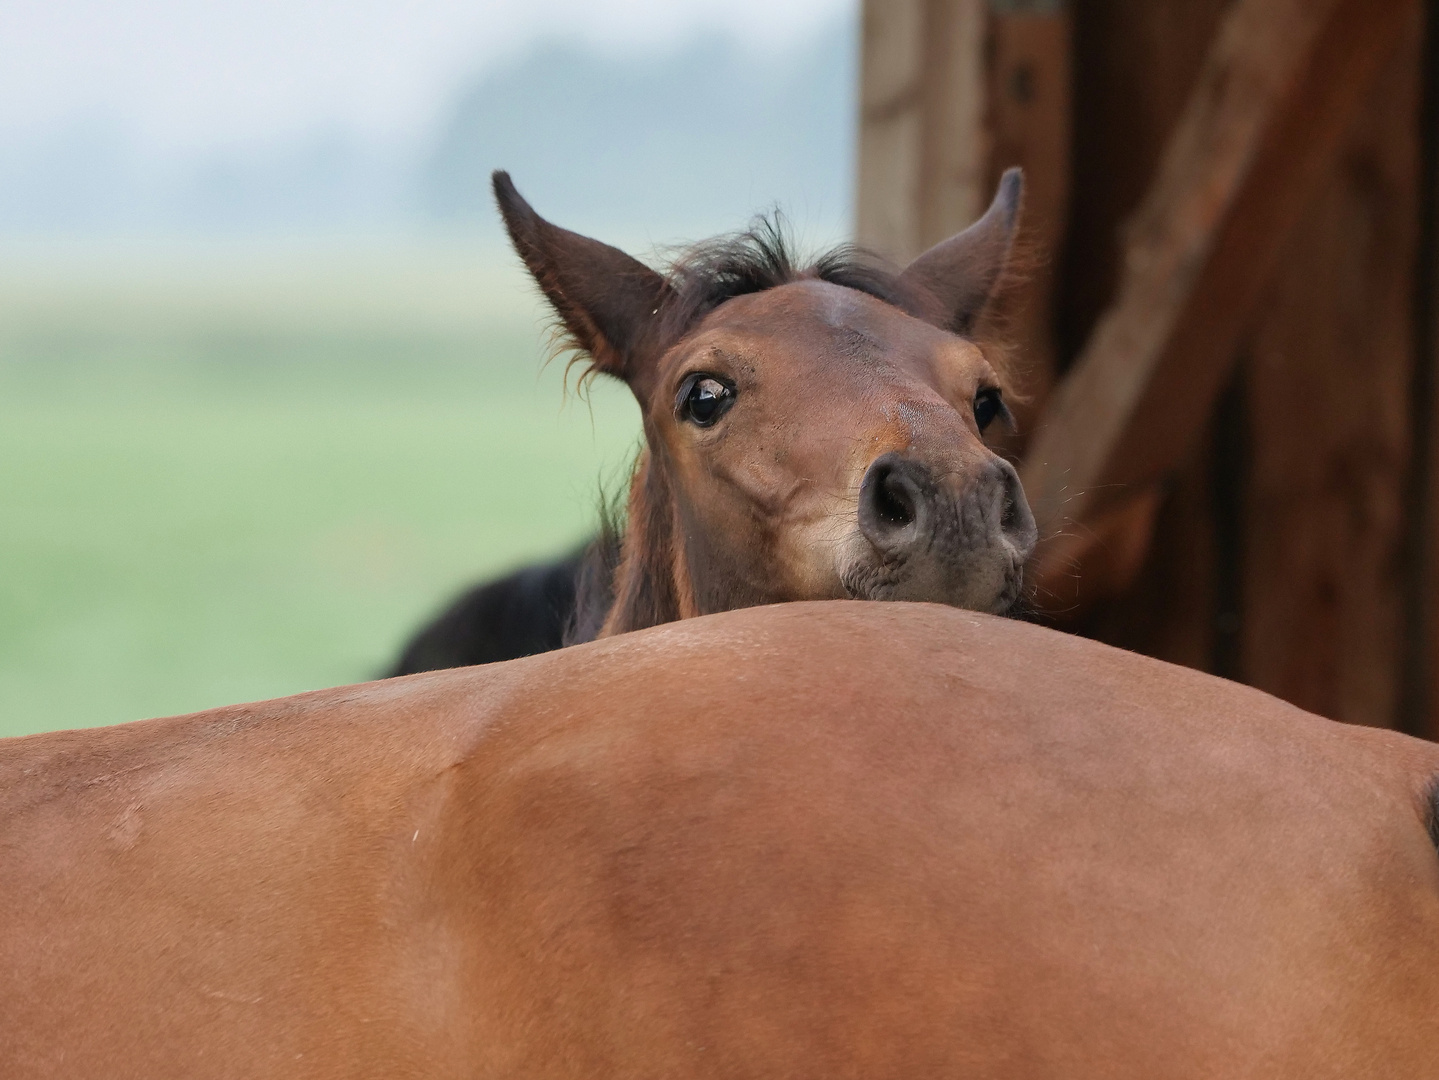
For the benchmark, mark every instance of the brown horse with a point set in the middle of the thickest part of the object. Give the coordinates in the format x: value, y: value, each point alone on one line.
x: 810, y: 433
x: 811, y: 840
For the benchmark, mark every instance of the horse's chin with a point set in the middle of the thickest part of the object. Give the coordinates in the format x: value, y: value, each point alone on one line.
x: 992, y: 583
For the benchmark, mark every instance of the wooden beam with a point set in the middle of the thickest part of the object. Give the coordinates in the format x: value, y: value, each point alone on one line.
x: 1281, y: 85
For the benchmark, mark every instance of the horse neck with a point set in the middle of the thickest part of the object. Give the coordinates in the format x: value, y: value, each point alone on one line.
x: 652, y: 583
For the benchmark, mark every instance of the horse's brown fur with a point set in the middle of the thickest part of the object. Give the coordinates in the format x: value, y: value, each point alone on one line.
x: 835, y: 367
x: 838, y: 840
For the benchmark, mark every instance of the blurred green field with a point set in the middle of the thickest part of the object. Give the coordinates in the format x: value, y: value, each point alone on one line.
x: 234, y: 473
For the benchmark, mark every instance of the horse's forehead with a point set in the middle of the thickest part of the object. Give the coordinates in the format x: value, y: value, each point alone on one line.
x: 818, y: 321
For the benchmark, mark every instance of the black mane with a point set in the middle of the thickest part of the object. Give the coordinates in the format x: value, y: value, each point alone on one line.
x: 759, y: 258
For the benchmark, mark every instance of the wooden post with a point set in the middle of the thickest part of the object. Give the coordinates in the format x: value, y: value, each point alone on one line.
x: 953, y: 93
x: 922, y: 142
x: 1327, y: 389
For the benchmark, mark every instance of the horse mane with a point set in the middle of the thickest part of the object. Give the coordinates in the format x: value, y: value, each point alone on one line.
x: 763, y: 257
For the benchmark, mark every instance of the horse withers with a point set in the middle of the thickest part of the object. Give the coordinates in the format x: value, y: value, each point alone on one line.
x: 808, y: 840
x: 810, y: 432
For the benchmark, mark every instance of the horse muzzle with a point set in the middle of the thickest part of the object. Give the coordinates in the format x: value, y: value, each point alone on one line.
x: 957, y: 538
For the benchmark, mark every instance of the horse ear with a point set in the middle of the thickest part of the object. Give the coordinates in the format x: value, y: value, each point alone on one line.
x: 956, y: 278
x: 608, y: 301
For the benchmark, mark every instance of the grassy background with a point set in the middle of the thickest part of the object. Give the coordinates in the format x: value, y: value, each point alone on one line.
x: 234, y: 473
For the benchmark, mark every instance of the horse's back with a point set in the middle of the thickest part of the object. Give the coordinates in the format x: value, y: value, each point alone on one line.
x: 870, y: 840
x: 225, y: 894
x: 901, y: 841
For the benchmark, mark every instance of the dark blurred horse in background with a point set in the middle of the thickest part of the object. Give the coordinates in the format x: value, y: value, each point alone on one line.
x: 523, y: 613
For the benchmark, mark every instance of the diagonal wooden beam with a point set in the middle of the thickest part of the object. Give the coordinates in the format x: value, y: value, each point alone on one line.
x: 1280, y: 87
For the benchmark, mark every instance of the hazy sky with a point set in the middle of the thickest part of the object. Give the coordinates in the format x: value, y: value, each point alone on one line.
x: 197, y: 73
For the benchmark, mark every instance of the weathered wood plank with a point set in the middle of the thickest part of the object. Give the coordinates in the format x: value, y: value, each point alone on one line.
x: 1283, y: 80
x: 954, y: 176
x: 953, y: 93
x: 1327, y: 381
x: 891, y: 128
x: 1028, y: 123
x: 922, y: 141
x: 1136, y: 64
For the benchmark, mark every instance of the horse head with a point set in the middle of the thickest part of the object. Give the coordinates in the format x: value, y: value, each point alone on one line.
x: 811, y: 433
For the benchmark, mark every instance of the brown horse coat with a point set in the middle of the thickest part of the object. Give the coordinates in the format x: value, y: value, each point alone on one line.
x: 827, y: 840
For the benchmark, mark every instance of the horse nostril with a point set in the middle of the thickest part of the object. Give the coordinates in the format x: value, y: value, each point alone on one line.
x: 891, y: 503
x: 1010, y: 519
x: 1016, y: 521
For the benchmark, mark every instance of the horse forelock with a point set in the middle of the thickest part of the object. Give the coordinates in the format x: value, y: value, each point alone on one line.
x: 706, y: 274
x: 763, y: 257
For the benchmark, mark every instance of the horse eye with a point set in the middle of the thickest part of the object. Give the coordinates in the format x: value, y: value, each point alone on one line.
x: 987, y: 405
x: 705, y: 399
